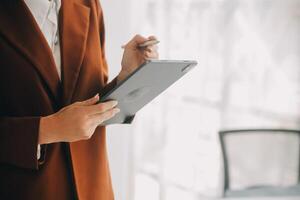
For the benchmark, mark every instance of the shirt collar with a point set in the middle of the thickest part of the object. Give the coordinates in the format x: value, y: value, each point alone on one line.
x: 40, y: 8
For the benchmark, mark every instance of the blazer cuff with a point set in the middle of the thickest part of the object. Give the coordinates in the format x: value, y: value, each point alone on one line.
x: 19, y: 142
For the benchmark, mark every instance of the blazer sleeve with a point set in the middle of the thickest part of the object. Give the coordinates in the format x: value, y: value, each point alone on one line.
x: 19, y: 141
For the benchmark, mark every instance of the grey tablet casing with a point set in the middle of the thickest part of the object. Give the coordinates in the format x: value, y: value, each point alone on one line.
x: 143, y: 85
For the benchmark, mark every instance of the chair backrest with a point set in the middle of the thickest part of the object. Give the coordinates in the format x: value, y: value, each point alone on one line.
x: 260, y: 157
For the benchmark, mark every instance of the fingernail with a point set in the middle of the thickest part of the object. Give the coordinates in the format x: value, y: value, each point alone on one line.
x: 116, y: 110
x: 114, y: 103
x: 96, y: 96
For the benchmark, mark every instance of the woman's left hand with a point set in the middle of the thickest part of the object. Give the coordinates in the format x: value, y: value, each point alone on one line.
x: 134, y: 55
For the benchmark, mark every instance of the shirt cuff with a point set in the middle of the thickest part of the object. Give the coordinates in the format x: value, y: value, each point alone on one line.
x: 38, y: 154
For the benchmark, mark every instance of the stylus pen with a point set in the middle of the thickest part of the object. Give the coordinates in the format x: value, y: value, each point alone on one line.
x: 146, y: 44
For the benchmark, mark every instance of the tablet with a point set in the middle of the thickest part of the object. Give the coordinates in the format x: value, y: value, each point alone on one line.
x: 143, y: 85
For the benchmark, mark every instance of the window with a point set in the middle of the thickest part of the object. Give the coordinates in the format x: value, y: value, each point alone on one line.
x: 248, y: 76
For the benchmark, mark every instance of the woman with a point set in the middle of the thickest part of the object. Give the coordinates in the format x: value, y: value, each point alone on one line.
x: 52, y: 65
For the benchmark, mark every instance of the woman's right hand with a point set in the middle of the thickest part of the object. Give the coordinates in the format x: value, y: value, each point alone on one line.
x: 76, y: 122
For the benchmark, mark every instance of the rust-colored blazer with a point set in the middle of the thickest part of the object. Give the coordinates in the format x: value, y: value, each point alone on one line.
x: 30, y: 88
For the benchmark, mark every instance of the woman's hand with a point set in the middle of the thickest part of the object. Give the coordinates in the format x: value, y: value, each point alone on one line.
x: 134, y: 56
x: 76, y: 122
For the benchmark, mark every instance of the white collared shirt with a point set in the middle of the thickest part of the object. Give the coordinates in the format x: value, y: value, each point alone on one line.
x: 45, y: 13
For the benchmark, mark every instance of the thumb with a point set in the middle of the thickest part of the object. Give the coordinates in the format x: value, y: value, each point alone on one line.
x: 139, y: 39
x: 91, y: 101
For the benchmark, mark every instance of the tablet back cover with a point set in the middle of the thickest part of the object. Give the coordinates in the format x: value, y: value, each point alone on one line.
x: 143, y: 85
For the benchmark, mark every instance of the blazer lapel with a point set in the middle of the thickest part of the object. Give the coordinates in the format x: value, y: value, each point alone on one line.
x: 74, y: 26
x: 19, y: 28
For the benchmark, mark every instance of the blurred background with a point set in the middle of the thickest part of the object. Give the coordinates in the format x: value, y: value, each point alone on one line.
x: 227, y: 130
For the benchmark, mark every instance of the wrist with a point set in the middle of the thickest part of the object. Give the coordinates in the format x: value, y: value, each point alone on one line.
x: 122, y: 75
x: 47, y: 130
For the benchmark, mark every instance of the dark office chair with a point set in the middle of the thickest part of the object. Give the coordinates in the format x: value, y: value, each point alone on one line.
x: 261, y: 163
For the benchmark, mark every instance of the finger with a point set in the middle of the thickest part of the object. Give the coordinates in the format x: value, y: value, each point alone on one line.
x: 152, y: 37
x: 152, y: 55
x: 138, y: 39
x: 151, y: 48
x: 135, y: 41
x: 147, y: 54
x: 90, y: 101
x: 151, y: 58
x: 100, y: 118
x: 101, y: 107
